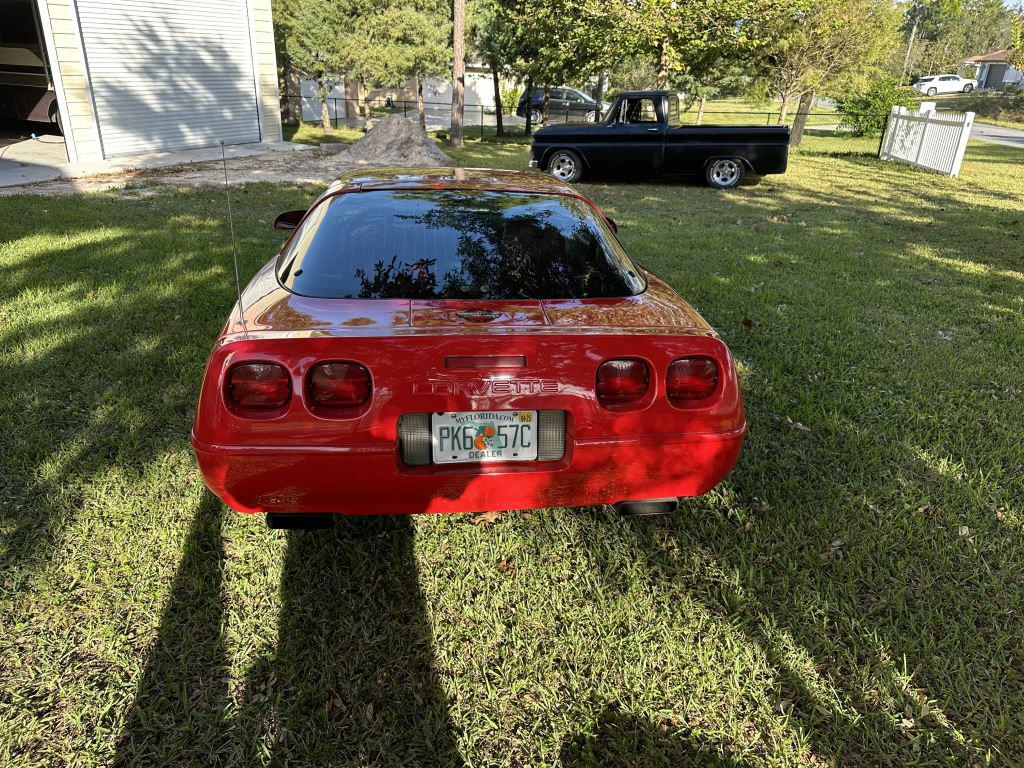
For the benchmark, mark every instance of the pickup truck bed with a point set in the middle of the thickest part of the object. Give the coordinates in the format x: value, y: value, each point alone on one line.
x: 641, y: 136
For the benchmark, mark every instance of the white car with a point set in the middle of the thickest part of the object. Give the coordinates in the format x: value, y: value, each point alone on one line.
x: 933, y: 84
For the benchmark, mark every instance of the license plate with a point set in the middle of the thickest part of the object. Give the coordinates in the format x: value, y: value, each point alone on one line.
x: 460, y: 436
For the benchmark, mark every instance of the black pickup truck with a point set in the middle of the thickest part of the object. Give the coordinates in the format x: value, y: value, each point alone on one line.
x: 642, y: 136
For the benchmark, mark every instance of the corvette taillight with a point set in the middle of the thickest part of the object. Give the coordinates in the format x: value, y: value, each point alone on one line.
x: 621, y: 381
x: 261, y: 386
x: 339, y: 385
x: 691, y: 378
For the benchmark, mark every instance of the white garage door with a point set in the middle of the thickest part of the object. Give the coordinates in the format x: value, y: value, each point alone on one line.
x: 170, y: 74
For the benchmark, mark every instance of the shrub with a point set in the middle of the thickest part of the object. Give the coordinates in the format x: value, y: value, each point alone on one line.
x: 866, y: 113
x: 510, y: 92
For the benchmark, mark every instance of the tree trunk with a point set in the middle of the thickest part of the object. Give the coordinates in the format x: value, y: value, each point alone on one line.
x: 598, y: 96
x: 325, y: 112
x: 700, y: 109
x: 662, y: 79
x: 458, y: 69
x: 364, y: 110
x: 800, y: 118
x: 910, y: 45
x: 784, y: 109
x: 420, y: 109
x: 544, y: 107
x: 529, y: 105
x: 499, y: 129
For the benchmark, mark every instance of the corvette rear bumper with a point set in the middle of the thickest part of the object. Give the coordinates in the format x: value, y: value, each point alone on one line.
x: 367, y: 480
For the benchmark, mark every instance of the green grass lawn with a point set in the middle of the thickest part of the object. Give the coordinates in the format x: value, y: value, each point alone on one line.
x: 314, y: 134
x: 994, y: 107
x: 852, y: 595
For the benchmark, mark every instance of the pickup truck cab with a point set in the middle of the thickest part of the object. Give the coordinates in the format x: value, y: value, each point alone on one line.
x: 642, y: 136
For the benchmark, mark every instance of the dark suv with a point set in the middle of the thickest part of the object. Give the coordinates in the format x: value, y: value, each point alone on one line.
x: 564, y: 104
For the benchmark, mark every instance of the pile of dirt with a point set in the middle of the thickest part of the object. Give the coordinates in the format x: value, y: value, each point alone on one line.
x: 396, y: 141
x: 391, y: 141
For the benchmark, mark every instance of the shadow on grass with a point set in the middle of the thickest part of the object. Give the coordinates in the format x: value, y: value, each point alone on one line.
x: 904, y: 614
x: 625, y: 741
x: 179, y: 715
x: 352, y: 681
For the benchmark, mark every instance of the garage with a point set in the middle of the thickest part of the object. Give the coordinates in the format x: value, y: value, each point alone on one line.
x: 133, y: 77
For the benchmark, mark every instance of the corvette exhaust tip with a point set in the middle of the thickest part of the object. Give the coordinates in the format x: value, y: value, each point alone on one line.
x: 292, y: 521
x: 647, y: 507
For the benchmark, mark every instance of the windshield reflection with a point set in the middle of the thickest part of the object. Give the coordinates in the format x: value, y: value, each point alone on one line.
x: 455, y: 244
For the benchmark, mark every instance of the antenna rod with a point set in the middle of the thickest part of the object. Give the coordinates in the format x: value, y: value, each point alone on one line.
x: 234, y: 248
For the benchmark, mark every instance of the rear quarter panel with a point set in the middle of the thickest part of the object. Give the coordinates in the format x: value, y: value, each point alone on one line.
x: 688, y: 148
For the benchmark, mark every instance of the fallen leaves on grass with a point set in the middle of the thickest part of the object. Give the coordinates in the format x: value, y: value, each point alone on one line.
x: 484, y: 518
x: 747, y: 323
x: 797, y: 425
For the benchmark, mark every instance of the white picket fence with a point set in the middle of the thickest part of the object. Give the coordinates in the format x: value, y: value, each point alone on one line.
x: 927, y: 139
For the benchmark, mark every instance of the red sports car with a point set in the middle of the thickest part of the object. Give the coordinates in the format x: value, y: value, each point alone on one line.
x: 461, y: 341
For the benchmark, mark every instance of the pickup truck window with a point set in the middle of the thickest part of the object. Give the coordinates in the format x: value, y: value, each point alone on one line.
x: 673, y: 111
x: 636, y: 111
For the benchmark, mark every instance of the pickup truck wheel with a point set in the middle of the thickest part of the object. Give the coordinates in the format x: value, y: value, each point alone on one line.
x: 589, y: 117
x: 968, y: 88
x: 536, y: 117
x: 565, y: 165
x: 724, y: 173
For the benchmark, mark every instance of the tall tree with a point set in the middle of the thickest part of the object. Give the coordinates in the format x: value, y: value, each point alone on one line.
x: 561, y: 41
x: 316, y: 50
x: 678, y: 33
x: 940, y: 35
x: 403, y: 40
x: 458, y: 70
x: 826, y: 43
x: 1015, y: 57
x: 283, y: 13
x: 496, y: 45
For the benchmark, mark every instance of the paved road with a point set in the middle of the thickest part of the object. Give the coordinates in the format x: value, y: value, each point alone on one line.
x: 1009, y: 137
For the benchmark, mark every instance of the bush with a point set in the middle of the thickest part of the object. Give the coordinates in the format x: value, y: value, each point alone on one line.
x: 509, y: 96
x: 865, y: 114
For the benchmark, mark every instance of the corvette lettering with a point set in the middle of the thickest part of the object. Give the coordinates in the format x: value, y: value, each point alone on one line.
x: 485, y: 387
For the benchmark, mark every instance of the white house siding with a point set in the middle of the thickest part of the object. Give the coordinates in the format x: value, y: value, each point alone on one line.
x: 479, y: 90
x: 68, y: 62
x: 153, y: 75
x: 1011, y: 76
x: 266, y: 68
x: 170, y: 74
x: 312, y: 108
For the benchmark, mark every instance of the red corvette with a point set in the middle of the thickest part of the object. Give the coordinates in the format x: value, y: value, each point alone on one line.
x: 461, y: 341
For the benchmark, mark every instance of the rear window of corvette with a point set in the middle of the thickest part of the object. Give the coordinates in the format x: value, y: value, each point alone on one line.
x: 455, y: 244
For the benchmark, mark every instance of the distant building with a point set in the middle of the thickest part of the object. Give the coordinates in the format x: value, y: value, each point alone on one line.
x: 994, y: 71
x: 437, y: 94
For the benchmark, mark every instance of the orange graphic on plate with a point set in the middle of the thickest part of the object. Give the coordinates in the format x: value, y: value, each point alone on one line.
x: 482, y: 437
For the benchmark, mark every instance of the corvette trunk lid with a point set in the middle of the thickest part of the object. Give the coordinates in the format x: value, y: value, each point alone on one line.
x: 275, y: 310
x: 477, y: 314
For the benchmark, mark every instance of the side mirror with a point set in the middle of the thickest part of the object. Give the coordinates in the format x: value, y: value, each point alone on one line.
x: 288, y: 220
x: 612, y: 225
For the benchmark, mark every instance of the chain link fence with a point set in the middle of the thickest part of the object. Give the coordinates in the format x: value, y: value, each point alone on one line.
x: 823, y: 132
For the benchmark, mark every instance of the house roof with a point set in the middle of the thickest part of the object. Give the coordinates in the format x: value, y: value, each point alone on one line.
x: 994, y: 56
